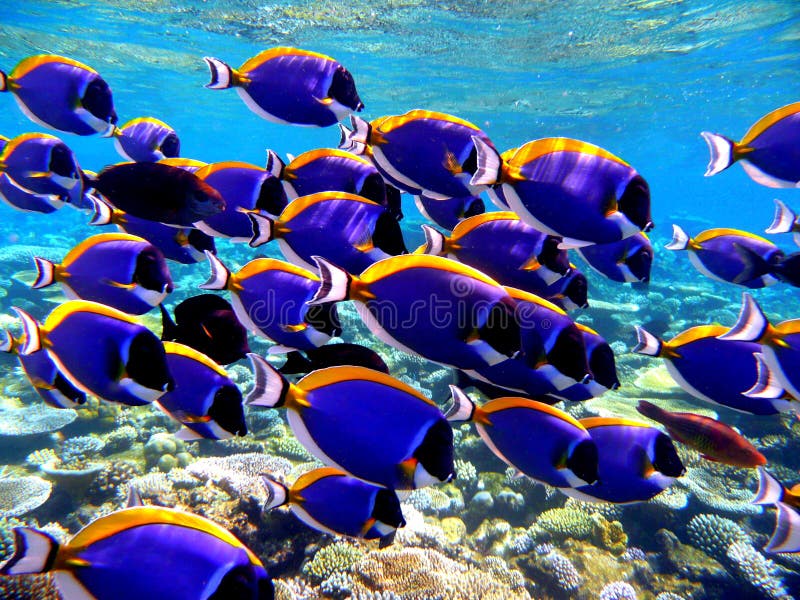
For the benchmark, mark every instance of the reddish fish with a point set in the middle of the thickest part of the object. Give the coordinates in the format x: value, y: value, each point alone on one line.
x: 712, y: 439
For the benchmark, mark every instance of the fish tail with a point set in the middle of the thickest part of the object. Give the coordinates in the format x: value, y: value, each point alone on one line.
x: 647, y: 343
x: 784, y: 220
x: 462, y: 408
x: 680, y: 239
x: 355, y: 140
x: 275, y: 165
x: 102, y: 213
x: 34, y: 552
x: 263, y: 229
x: 751, y: 325
x: 33, y: 336
x: 770, y: 490
x: 4, y: 83
x: 222, y: 75
x: 7, y: 344
x: 786, y: 537
x: 277, y: 493
x: 767, y: 384
x: 335, y: 282
x: 490, y: 164
x: 721, y: 150
x: 270, y: 387
x: 434, y: 241
x: 45, y: 273
x: 220, y: 275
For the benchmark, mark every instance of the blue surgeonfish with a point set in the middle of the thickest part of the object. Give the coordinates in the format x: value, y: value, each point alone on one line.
x: 430, y: 306
x: 270, y: 298
x: 779, y: 345
x: 362, y: 421
x: 785, y: 221
x: 132, y: 554
x: 159, y: 192
x: 602, y: 365
x: 208, y: 324
x: 19, y: 198
x: 786, y: 535
x: 735, y: 256
x: 101, y: 351
x: 635, y: 462
x: 346, y: 229
x: 185, y: 245
x: 421, y: 151
x: 43, y: 164
x: 329, y: 500
x: 560, y: 453
x: 245, y: 188
x: 767, y: 152
x: 146, y: 139
x: 289, y: 85
x: 571, y: 292
x: 569, y: 188
x: 333, y: 170
x: 204, y: 400
x: 503, y: 247
x: 626, y: 261
x: 61, y: 93
x: 43, y: 373
x: 121, y: 270
x: 719, y: 371
x: 448, y: 213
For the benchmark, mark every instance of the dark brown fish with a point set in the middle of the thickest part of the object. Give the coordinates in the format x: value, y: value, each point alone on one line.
x: 159, y: 192
x: 712, y: 439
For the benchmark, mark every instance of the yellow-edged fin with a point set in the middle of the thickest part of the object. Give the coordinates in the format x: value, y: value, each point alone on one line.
x: 262, y: 57
x: 116, y: 284
x: 323, y: 377
x: 182, y: 350
x: 295, y: 328
x: 310, y: 478
x: 62, y: 311
x: 138, y: 120
x: 389, y: 124
x: 586, y: 329
x: 29, y: 64
x: 538, y: 148
x: 212, y: 168
x: 591, y: 422
x: 182, y: 162
x: 128, y: 518
x: 498, y: 404
x: 471, y: 223
x: 451, y: 163
x: 394, y: 264
x: 259, y: 265
x: 300, y: 204
x: 524, y: 296
x: 696, y: 333
x: 710, y: 234
x: 312, y: 155
x: 768, y: 121
x: 14, y: 143
x: 100, y: 238
x: 4, y: 138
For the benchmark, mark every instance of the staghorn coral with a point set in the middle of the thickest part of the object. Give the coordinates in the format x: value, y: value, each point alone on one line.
x: 337, y: 557
x: 420, y: 533
x: 20, y: 495
x: 338, y: 586
x: 295, y: 588
x: 150, y: 485
x: 752, y: 568
x: 618, y: 590
x: 713, y: 534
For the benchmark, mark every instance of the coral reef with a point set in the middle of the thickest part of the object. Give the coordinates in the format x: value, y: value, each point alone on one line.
x: 21, y: 495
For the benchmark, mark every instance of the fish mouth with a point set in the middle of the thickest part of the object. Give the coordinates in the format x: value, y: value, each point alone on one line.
x: 359, y: 107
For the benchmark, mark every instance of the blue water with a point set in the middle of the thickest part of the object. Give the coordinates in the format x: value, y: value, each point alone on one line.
x: 640, y: 78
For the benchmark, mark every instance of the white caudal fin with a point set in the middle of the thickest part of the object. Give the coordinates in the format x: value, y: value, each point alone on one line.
x: 218, y: 280
x: 751, y: 324
x: 263, y: 229
x: 277, y: 493
x: 34, y: 552
x: 275, y: 165
x: 680, y: 240
x: 221, y: 74
x: 334, y: 285
x: 3, y: 81
x: 33, y: 338
x: 767, y: 385
x: 647, y: 343
x: 786, y: 537
x: 7, y: 341
x: 269, y: 387
x: 134, y: 497
x: 489, y: 164
x: 721, y: 150
x: 770, y: 490
x: 784, y: 219
x: 462, y: 407
x: 434, y: 241
x: 102, y: 213
x: 45, y: 273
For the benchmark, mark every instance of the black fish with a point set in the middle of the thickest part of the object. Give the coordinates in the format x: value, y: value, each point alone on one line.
x: 159, y: 192
x: 208, y: 324
x: 333, y: 355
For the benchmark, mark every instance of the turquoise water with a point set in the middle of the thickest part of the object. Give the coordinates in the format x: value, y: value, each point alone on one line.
x: 641, y: 78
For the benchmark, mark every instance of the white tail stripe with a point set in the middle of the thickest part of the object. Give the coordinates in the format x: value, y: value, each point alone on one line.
x: 751, y: 324
x: 218, y: 280
x: 269, y: 385
x: 784, y: 219
x: 462, y: 408
x: 770, y: 491
x: 648, y: 344
x: 680, y: 240
x: 786, y: 537
x: 277, y: 493
x: 221, y: 74
x: 721, y: 150
x: 489, y: 163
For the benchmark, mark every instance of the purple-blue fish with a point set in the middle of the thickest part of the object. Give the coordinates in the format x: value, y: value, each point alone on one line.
x: 146, y: 139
